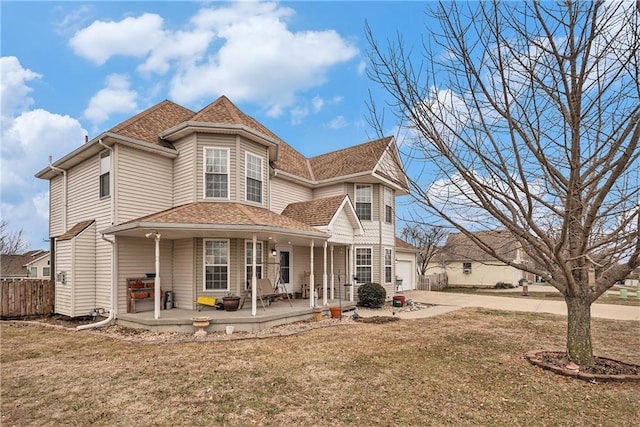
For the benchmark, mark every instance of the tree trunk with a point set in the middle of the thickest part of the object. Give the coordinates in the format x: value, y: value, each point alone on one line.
x: 579, y: 348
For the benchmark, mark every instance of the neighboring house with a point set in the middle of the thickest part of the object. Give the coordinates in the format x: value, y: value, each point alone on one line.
x: 39, y: 266
x: 222, y: 197
x: 406, y: 265
x: 31, y: 265
x: 467, y: 265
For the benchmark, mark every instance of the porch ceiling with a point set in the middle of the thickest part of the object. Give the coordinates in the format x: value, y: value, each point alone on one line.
x: 186, y: 231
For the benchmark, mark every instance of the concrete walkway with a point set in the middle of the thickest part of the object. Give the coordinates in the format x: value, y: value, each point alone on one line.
x: 446, y: 302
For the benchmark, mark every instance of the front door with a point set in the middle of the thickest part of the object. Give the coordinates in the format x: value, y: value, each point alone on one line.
x: 285, y: 272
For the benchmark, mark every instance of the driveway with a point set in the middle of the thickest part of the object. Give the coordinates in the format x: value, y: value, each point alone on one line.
x: 445, y: 302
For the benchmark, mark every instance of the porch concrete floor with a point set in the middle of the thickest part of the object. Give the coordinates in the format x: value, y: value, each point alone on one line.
x: 275, y: 314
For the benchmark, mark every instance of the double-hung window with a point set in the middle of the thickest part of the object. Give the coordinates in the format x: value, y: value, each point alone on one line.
x: 216, y: 173
x: 466, y: 267
x: 363, y: 202
x: 216, y: 265
x: 363, y: 264
x: 388, y: 257
x: 249, y: 261
x: 388, y: 206
x: 254, y: 178
x: 33, y: 272
x: 105, y: 170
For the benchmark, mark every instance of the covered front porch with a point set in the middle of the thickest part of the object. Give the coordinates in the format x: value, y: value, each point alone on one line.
x: 277, y: 313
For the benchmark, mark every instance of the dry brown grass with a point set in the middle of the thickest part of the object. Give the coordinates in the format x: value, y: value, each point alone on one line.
x: 464, y: 368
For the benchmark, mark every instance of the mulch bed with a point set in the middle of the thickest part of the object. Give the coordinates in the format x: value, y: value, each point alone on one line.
x: 603, y: 369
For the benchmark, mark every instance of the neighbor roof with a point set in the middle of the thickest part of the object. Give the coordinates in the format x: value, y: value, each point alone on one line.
x: 460, y: 247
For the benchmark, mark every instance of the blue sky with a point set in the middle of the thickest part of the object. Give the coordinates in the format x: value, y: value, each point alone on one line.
x: 71, y: 69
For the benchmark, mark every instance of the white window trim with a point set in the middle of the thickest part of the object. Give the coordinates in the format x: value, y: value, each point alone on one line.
x: 387, y: 191
x: 385, y: 265
x: 204, y: 265
x: 246, y: 176
x: 355, y: 196
x: 466, y: 270
x: 204, y: 173
x: 105, y: 168
x: 355, y: 261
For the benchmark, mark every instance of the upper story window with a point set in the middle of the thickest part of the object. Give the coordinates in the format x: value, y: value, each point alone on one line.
x: 105, y: 170
x: 254, y: 178
x: 466, y: 267
x: 363, y: 201
x: 388, y: 206
x: 216, y: 173
x: 34, y: 272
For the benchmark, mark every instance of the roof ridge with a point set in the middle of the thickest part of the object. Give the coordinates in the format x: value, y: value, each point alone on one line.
x: 145, y: 113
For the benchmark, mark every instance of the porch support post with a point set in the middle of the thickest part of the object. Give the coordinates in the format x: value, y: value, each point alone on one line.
x: 332, y: 276
x: 352, y: 272
x: 156, y: 290
x: 324, y: 274
x: 311, y: 279
x: 254, y: 279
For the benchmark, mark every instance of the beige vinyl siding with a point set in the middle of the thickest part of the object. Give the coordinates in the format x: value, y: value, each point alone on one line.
x: 84, y: 203
x: 342, y: 229
x: 83, y: 196
x: 481, y: 274
x: 144, y: 183
x: 84, y: 276
x: 300, y: 265
x: 330, y: 191
x: 389, y: 166
x: 284, y: 192
x: 247, y: 146
x: 136, y: 258
x: 184, y: 285
x: 185, y: 175
x: 64, y: 264
x: 56, y: 227
x: 216, y: 141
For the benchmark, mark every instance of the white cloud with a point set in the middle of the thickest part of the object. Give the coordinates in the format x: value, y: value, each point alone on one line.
x: 298, y: 114
x: 130, y: 37
x: 70, y: 22
x: 244, y: 50
x: 318, y: 103
x: 13, y: 86
x: 116, y: 97
x: 338, y: 123
x: 362, y: 68
x: 259, y: 58
x: 28, y: 137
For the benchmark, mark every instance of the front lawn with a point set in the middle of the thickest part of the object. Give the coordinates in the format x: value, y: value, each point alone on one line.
x: 463, y: 368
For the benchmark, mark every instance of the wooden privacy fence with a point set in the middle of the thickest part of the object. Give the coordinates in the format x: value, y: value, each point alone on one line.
x: 432, y: 282
x: 28, y: 297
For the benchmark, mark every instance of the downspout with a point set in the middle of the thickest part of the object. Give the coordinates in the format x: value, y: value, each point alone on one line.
x: 64, y: 193
x: 113, y: 296
x: 112, y: 311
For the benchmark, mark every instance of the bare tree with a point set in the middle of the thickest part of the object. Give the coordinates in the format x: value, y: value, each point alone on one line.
x: 427, y: 239
x: 529, y: 113
x: 11, y: 243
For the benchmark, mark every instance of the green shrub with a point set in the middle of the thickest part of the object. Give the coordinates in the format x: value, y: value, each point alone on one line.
x: 371, y: 295
x: 504, y: 285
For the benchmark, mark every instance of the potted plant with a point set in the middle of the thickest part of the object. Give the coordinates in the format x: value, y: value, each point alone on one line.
x: 231, y: 302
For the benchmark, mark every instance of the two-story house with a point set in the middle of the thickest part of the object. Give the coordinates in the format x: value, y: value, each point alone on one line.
x: 210, y: 201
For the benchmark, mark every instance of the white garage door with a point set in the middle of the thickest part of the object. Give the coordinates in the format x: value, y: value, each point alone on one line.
x: 404, y: 271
